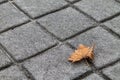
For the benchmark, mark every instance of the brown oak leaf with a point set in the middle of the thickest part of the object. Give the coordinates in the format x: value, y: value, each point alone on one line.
x: 82, y: 52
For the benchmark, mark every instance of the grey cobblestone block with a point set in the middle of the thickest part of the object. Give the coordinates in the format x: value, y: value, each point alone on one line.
x: 113, y: 71
x: 99, y: 9
x: 53, y: 65
x: 12, y: 73
x: 3, y: 59
x: 107, y: 46
x: 93, y: 77
x: 114, y: 24
x: 66, y: 22
x: 39, y: 7
x: 10, y: 16
x: 26, y: 40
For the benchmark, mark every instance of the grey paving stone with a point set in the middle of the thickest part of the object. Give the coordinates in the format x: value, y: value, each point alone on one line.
x: 93, y: 77
x: 99, y: 9
x: 39, y: 7
x: 53, y: 65
x: 66, y: 22
x: 10, y: 16
x: 114, y: 24
x: 12, y: 73
x: 3, y: 59
x: 113, y: 72
x: 26, y: 40
x: 107, y: 46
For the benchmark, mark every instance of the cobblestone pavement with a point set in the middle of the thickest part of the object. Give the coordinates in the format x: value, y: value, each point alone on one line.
x: 38, y: 36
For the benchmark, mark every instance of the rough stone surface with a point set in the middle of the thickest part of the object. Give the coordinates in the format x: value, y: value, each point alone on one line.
x: 66, y: 22
x: 93, y: 77
x: 53, y: 65
x: 26, y: 40
x: 12, y: 73
x: 99, y: 9
x: 114, y: 24
x: 10, y: 16
x: 39, y: 7
x: 107, y: 47
x: 113, y: 71
x: 3, y: 59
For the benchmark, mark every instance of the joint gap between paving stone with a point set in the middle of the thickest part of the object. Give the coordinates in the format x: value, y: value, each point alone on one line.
x: 70, y: 45
x: 110, y: 31
x: 14, y: 26
x: 6, y: 66
x: 110, y: 64
x: 94, y: 69
x: 117, y: 1
x: 85, y: 30
x: 39, y: 53
x: 104, y: 76
x: 83, y: 75
x: 16, y: 6
x: 72, y: 2
x: 3, y: 2
x: 76, y: 8
x: 99, y: 72
x: 48, y: 32
x: 8, y: 54
x: 109, y: 18
x: 26, y: 72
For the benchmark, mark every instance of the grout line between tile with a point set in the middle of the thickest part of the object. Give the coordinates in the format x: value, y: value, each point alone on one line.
x: 110, y: 31
x: 3, y: 2
x: 13, y: 27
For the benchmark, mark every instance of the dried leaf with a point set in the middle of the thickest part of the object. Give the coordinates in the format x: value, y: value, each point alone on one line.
x: 82, y: 52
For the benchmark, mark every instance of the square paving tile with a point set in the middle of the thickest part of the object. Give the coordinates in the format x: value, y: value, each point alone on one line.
x: 38, y: 7
x: 12, y: 73
x: 26, y: 40
x: 53, y: 65
x: 10, y: 16
x: 66, y: 23
x: 107, y: 47
x: 113, y: 72
x: 99, y: 9
x: 114, y: 24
